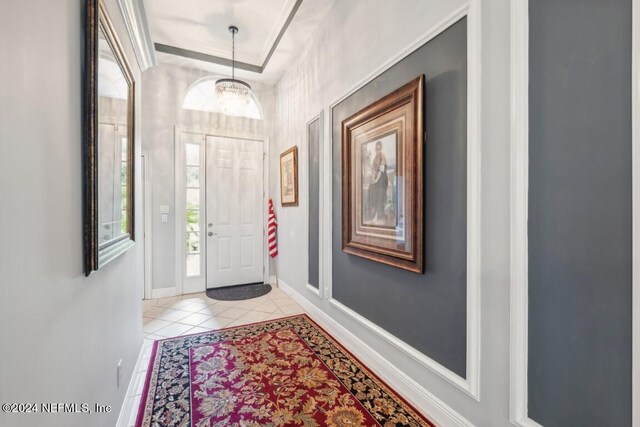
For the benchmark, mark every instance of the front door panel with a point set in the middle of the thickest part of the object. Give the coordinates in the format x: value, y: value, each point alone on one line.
x: 234, y: 211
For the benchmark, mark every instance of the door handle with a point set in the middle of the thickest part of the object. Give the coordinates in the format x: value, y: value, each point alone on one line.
x: 211, y: 233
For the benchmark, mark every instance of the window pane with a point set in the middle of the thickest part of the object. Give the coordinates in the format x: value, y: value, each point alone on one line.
x: 193, y: 242
x: 124, y: 227
x: 192, y: 157
x: 193, y: 176
x: 193, y: 198
x: 192, y: 154
x: 193, y: 220
x: 123, y: 198
x: 124, y: 152
x: 193, y: 265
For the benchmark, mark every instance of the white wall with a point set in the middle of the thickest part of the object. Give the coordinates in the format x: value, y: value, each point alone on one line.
x: 356, y: 38
x: 61, y: 334
x: 163, y: 90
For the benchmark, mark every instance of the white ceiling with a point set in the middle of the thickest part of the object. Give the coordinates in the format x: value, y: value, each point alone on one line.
x: 202, y: 26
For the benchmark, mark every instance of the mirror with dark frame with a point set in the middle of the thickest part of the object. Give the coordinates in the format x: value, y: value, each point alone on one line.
x: 108, y: 143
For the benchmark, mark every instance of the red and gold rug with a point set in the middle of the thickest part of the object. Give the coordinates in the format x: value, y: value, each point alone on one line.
x: 285, y: 372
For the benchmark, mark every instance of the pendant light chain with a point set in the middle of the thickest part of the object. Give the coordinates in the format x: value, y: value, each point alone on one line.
x: 233, y: 95
x: 233, y: 54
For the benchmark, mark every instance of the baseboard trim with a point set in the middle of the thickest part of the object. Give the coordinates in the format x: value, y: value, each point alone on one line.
x: 164, y: 292
x: 415, y: 393
x: 125, y: 409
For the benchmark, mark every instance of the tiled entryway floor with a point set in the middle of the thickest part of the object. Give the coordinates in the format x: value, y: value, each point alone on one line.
x: 194, y: 313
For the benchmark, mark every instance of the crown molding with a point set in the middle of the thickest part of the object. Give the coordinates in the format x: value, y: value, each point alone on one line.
x: 134, y: 13
x: 214, y: 59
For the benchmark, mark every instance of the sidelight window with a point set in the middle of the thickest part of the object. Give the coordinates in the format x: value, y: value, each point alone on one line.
x: 193, y: 206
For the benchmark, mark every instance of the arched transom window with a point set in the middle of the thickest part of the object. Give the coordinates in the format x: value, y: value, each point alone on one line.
x: 201, y: 96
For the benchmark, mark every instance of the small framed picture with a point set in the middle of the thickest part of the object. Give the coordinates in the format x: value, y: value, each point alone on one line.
x: 382, y: 174
x: 289, y: 177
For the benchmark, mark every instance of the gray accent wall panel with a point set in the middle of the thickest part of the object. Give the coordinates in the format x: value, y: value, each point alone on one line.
x: 427, y: 311
x: 313, y: 138
x: 580, y: 213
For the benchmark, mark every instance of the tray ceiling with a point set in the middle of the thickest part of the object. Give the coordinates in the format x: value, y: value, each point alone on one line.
x: 195, y: 32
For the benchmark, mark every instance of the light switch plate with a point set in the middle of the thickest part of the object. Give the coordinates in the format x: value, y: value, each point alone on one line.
x: 164, y: 218
x: 164, y: 209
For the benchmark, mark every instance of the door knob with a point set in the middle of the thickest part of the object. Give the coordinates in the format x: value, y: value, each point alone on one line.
x: 212, y: 234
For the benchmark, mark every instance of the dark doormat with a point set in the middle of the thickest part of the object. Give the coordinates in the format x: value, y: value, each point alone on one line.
x: 239, y: 292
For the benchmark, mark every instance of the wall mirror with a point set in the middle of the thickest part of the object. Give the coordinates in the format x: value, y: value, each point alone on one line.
x: 108, y: 143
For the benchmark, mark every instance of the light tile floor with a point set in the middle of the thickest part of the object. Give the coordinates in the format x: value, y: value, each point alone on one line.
x: 194, y: 313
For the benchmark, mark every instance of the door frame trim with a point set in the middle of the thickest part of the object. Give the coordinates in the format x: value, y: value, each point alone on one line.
x: 147, y: 209
x: 179, y: 195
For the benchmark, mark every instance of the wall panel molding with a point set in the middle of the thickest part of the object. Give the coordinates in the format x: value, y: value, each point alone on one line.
x: 471, y: 384
x: 635, y: 170
x: 415, y: 354
x: 319, y: 291
x: 474, y: 198
x: 519, y: 213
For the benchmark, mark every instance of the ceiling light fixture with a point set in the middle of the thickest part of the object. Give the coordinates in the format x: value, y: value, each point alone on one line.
x: 233, y: 94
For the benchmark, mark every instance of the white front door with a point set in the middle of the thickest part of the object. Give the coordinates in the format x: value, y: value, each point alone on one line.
x: 234, y: 225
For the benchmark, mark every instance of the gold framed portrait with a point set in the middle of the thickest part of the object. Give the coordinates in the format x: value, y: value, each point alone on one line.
x: 382, y: 179
x: 289, y: 177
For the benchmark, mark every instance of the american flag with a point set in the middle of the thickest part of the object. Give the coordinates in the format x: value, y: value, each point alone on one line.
x: 273, y: 228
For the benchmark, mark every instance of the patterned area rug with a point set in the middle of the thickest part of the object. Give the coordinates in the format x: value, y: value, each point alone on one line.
x: 284, y: 372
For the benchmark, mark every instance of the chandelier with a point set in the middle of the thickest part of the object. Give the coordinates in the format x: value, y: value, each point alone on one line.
x: 233, y: 95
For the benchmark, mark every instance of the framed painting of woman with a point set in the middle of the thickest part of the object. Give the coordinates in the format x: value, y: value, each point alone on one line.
x: 382, y: 179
